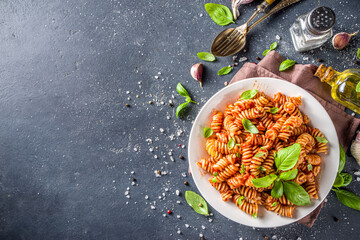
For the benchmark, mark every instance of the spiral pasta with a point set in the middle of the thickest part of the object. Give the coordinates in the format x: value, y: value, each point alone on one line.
x: 238, y: 156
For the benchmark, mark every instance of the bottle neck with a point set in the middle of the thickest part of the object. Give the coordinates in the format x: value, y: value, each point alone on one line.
x: 326, y: 74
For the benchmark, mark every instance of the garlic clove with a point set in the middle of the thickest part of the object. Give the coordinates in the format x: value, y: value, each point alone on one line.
x: 340, y: 40
x: 196, y: 72
x: 355, y: 148
x: 235, y: 4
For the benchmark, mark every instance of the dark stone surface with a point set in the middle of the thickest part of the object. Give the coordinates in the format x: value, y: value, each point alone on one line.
x: 69, y: 143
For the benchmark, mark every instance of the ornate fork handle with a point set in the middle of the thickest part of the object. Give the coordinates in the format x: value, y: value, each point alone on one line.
x: 279, y: 6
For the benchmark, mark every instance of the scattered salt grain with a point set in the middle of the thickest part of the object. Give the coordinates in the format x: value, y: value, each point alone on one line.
x: 128, y: 196
x: 201, y: 15
x: 305, y: 58
x: 299, y: 238
x: 234, y: 58
x: 178, y: 202
x: 127, y: 92
x: 172, y: 137
x: 163, y: 194
x: 156, y: 156
x: 353, y: 114
x: 128, y: 188
x: 211, y: 214
x: 159, y: 73
x: 126, y: 193
x: 164, y: 215
x: 178, y: 231
x: 358, y: 179
x: 183, y: 174
x: 146, y: 197
x: 164, y: 172
x: 277, y: 37
x: 274, y: 237
x: 162, y: 130
x: 157, y: 173
x: 357, y: 173
x: 170, y: 153
x: 132, y: 172
x: 242, y: 59
x: 179, y: 132
x: 210, y: 220
x: 183, y: 146
x: 201, y: 235
x: 151, y: 149
x: 168, y: 117
x: 152, y: 207
x: 135, y: 149
x: 172, y: 158
x: 166, y: 189
x: 129, y: 98
x: 203, y: 227
x: 159, y: 197
x: 187, y: 225
x: 177, y: 192
x: 133, y: 183
x: 178, y: 216
x: 156, y: 77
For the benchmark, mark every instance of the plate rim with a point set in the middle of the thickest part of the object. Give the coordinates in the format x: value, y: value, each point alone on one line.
x: 335, y: 147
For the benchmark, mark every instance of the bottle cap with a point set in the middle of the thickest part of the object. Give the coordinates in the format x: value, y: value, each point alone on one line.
x: 321, y: 20
x: 324, y: 73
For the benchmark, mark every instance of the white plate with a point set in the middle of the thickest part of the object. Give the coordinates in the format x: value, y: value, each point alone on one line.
x: 319, y: 118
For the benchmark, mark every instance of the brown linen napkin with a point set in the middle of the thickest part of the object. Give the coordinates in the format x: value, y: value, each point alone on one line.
x: 303, y: 76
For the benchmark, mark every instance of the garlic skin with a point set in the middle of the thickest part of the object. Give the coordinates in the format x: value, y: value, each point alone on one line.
x: 235, y: 4
x: 196, y: 72
x: 342, y: 39
x: 355, y: 148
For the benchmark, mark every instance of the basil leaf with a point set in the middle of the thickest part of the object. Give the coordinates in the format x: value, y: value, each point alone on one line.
x: 274, y: 110
x: 219, y: 13
x: 259, y: 154
x: 206, y: 56
x: 213, y: 180
x: 180, y: 108
x: 238, y: 155
x: 208, y: 132
x: 274, y: 204
x: 264, y: 181
x: 254, y: 215
x: 249, y: 94
x: 266, y: 52
x: 182, y: 91
x: 358, y: 53
x: 286, y: 158
x: 296, y: 194
x: 278, y: 190
x: 273, y: 46
x: 286, y: 65
x: 188, y: 99
x: 342, y: 158
x: 286, y: 176
x: 240, y: 200
x: 194, y: 200
x: 251, y: 128
x: 242, y: 168
x: 224, y: 70
x: 309, y: 167
x: 231, y: 143
x: 357, y: 86
x: 321, y: 140
x: 215, y: 174
x: 261, y: 168
x: 348, y: 198
x: 339, y: 180
x: 347, y: 179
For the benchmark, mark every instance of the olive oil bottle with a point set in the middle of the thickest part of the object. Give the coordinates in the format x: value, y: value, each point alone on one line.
x: 343, y: 85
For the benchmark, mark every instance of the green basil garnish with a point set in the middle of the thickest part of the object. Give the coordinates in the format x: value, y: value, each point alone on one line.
x: 274, y: 204
x: 286, y: 158
x: 181, y: 90
x: 348, y: 198
x: 274, y: 110
x: 194, y: 200
x: 339, y: 180
x: 219, y: 13
x: 342, y: 159
x: 296, y: 194
x: 347, y: 179
x: 286, y: 65
x: 231, y: 143
x: 264, y: 181
x: 180, y: 108
x: 224, y: 70
x: 208, y: 132
x: 240, y: 200
x: 266, y: 52
x: 242, y: 170
x: 206, y: 56
x: 249, y: 94
x: 278, y: 190
x: 321, y: 140
x: 273, y: 46
x: 309, y: 167
x: 251, y: 128
x: 290, y: 175
x: 259, y: 154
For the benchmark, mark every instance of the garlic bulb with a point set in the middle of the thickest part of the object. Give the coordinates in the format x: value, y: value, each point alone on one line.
x: 342, y: 39
x: 355, y: 148
x: 196, y: 72
x: 235, y: 4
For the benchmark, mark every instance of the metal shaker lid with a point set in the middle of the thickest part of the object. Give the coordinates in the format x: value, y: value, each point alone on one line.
x: 320, y: 20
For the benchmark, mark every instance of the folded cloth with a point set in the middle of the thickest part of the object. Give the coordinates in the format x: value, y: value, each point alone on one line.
x: 303, y: 76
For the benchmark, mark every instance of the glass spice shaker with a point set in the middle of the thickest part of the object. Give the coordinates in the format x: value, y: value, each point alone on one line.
x: 313, y: 29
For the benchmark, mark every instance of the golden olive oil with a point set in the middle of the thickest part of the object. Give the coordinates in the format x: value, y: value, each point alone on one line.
x: 343, y: 85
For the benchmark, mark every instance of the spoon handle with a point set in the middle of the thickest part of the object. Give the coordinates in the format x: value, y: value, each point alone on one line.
x: 279, y: 6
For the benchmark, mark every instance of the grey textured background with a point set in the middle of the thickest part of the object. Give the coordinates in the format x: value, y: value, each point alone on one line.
x: 68, y: 143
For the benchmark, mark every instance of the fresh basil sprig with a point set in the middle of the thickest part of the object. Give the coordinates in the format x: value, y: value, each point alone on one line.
x: 259, y: 154
x: 219, y: 13
x: 208, y: 132
x: 287, y: 157
x: 290, y: 175
x: 278, y: 190
x: 249, y: 94
x: 309, y: 167
x: 345, y: 197
x: 195, y: 201
x: 296, y: 194
x: 321, y: 140
x: 273, y: 46
x: 249, y: 126
x: 231, y: 144
x: 274, y: 110
x: 286, y: 65
x: 225, y: 70
x: 264, y: 181
x: 183, y: 92
x: 206, y: 56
